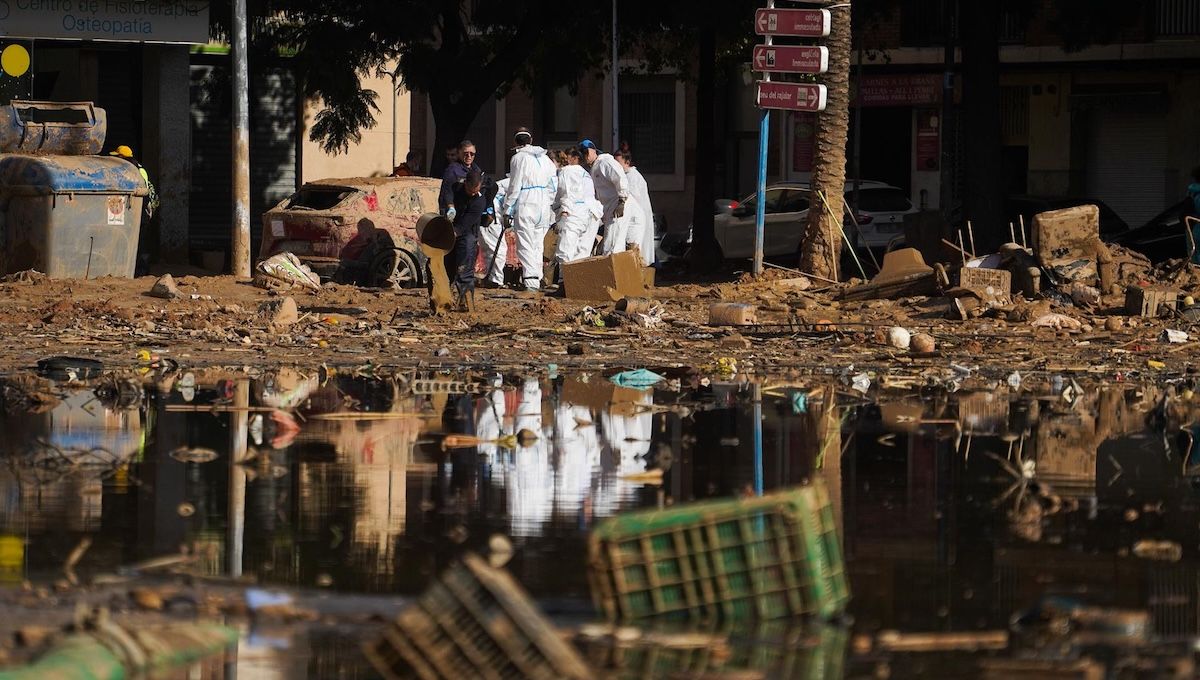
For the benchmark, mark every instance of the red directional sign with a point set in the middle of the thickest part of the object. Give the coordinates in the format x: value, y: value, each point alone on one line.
x: 791, y: 96
x: 804, y: 23
x: 790, y: 59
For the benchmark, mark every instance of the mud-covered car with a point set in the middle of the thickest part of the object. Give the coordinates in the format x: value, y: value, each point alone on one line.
x: 359, y: 230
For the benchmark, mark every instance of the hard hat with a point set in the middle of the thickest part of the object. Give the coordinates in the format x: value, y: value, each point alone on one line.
x: 123, y: 151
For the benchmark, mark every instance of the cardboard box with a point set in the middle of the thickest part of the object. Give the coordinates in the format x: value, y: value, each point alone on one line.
x: 1149, y: 301
x: 648, y: 276
x: 604, y: 278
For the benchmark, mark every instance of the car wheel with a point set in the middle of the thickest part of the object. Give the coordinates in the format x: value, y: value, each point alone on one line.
x: 396, y: 268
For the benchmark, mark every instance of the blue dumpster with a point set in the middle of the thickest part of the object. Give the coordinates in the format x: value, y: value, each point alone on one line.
x: 69, y: 216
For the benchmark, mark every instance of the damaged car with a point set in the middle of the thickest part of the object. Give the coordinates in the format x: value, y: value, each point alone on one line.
x: 359, y: 230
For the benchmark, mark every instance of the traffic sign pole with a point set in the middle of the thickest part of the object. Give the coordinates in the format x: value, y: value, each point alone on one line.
x: 760, y: 205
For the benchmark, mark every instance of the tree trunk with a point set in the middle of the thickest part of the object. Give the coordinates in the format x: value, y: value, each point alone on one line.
x: 822, y: 245
x: 450, y: 123
x: 983, y: 150
x: 704, y: 255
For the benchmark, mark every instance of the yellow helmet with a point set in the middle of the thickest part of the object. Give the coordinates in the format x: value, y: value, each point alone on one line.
x: 122, y: 151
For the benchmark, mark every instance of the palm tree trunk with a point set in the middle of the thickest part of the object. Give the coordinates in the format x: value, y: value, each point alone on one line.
x: 822, y: 244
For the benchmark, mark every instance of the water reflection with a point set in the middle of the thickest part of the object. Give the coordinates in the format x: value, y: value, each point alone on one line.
x: 957, y: 510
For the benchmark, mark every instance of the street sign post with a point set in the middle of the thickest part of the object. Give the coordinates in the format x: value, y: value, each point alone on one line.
x: 790, y: 59
x: 791, y: 96
x: 801, y: 23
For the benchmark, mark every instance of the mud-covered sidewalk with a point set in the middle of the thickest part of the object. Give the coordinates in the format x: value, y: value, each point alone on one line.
x: 801, y: 330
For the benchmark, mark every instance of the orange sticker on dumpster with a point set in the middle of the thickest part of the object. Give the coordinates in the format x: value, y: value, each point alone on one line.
x: 116, y: 211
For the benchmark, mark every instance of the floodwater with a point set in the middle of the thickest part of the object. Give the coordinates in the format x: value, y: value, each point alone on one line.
x: 958, y: 512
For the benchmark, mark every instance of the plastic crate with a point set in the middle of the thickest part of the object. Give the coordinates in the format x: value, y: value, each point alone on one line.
x: 768, y: 557
x: 475, y: 621
x: 775, y: 649
x: 993, y: 282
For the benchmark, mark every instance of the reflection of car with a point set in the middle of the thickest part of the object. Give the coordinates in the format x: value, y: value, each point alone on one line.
x: 360, y: 230
x: 1162, y: 238
x: 880, y: 218
x: 1111, y: 223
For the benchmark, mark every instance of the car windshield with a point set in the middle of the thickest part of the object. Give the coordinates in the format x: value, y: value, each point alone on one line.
x: 881, y: 200
x: 319, y: 198
x: 748, y: 206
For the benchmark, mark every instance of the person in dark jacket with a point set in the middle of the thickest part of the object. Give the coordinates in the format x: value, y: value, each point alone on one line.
x: 470, y: 204
x: 455, y: 173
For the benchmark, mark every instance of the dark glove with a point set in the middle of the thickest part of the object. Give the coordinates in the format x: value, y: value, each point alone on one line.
x: 620, y: 211
x: 487, y: 220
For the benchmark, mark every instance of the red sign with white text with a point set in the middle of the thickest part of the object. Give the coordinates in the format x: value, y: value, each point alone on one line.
x: 790, y: 59
x: 791, y: 96
x: 802, y: 23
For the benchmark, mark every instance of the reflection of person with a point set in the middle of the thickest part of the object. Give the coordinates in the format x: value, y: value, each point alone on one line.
x: 151, y: 202
x: 530, y: 486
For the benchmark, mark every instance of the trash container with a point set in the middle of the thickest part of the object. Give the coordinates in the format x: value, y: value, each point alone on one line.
x: 69, y: 216
x: 69, y: 128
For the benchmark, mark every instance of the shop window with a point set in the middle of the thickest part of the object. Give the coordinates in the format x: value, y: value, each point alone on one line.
x: 648, y: 120
x: 560, y: 113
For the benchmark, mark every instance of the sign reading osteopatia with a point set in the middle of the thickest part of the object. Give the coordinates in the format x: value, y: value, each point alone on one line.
x: 153, y: 21
x: 801, y: 23
x: 791, y: 96
x: 790, y: 59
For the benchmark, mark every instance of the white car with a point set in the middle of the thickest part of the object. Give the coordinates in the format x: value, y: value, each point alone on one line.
x: 880, y: 215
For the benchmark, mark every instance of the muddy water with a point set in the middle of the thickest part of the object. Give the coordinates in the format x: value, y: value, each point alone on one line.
x: 957, y: 511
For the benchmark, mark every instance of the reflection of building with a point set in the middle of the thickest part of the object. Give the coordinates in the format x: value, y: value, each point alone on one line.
x: 59, y: 459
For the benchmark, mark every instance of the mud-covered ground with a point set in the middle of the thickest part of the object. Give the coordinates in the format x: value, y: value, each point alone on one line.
x: 220, y: 321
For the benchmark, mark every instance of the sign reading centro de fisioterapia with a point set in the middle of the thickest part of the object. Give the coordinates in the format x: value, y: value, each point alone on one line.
x: 160, y: 21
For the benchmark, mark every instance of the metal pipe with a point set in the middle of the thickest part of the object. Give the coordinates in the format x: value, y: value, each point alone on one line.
x: 616, y: 102
x: 240, y: 238
x: 758, y: 440
x: 394, y: 120
x: 760, y: 211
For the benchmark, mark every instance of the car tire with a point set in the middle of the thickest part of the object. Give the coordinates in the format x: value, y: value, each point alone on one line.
x: 396, y: 268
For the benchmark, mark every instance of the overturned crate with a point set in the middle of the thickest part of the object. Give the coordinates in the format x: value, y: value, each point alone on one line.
x: 475, y: 621
x: 768, y: 557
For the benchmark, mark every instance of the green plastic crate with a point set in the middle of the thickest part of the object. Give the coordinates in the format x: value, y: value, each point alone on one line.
x: 775, y: 649
x: 475, y: 621
x: 766, y: 557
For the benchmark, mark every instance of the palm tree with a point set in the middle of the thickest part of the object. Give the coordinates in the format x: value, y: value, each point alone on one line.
x: 822, y: 244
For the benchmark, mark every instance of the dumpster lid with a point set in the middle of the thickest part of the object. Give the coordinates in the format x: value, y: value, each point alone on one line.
x: 27, y: 173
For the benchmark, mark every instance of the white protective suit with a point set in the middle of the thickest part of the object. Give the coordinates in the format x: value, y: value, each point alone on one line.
x: 532, y: 184
x: 530, y: 478
x: 578, y: 212
x: 640, y: 192
x: 612, y: 186
x: 489, y: 235
x: 629, y: 229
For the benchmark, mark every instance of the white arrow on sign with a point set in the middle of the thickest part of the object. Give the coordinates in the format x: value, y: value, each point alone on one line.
x: 791, y: 58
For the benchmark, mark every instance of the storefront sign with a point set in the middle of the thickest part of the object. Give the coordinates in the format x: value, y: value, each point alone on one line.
x: 928, y: 140
x: 914, y: 89
x: 160, y: 21
x: 804, y: 136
